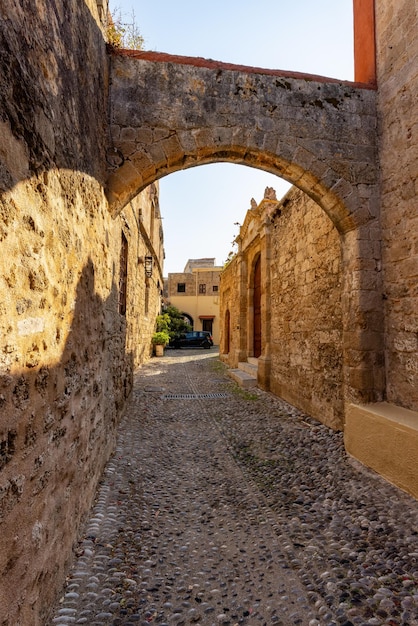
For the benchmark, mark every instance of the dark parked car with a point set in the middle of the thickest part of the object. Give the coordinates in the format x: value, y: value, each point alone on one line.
x: 193, y: 339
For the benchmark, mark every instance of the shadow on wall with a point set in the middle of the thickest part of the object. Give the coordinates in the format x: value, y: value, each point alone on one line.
x: 64, y: 374
x: 53, y: 91
x: 57, y: 429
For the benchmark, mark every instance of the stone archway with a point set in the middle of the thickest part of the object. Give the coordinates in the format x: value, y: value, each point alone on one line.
x: 188, y: 318
x: 170, y: 113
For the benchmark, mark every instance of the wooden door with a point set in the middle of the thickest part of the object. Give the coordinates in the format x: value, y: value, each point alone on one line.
x: 227, y: 335
x: 207, y: 325
x: 257, y: 309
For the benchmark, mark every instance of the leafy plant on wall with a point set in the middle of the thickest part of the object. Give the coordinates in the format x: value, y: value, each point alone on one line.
x: 123, y: 31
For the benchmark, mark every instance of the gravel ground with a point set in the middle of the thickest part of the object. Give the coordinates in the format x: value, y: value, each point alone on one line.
x: 223, y: 507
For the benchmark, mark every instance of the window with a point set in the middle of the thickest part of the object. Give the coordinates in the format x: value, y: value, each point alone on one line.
x: 215, y: 288
x: 202, y: 288
x: 181, y: 287
x: 123, y: 275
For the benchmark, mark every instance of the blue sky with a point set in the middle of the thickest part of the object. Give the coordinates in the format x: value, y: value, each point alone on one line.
x: 201, y: 205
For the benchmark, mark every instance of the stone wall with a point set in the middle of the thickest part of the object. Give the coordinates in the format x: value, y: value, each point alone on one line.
x: 230, y: 313
x: 69, y: 339
x: 67, y: 348
x: 141, y: 224
x: 306, y: 321
x: 397, y: 68
x: 180, y: 278
x: 300, y: 255
x: 192, y: 280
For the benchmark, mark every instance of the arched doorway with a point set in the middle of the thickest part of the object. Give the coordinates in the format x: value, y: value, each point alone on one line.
x: 188, y: 318
x: 257, y: 308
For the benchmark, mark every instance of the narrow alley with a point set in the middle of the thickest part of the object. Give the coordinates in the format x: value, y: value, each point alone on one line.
x: 227, y: 507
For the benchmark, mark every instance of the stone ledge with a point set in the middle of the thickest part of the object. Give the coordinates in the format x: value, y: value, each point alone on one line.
x: 384, y: 437
x: 244, y: 380
x: 165, y: 57
x: 249, y: 368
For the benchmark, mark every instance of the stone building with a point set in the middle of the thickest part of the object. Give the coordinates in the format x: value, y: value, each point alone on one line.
x: 281, y: 296
x: 83, y: 130
x: 195, y: 292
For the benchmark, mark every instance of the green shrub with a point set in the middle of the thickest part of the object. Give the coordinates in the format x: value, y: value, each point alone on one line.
x: 172, y: 321
x: 160, y: 338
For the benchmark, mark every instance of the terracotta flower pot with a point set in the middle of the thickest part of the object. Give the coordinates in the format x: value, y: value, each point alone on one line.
x: 159, y: 350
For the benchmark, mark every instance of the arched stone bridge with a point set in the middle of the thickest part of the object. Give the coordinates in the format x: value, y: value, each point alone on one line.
x: 170, y: 113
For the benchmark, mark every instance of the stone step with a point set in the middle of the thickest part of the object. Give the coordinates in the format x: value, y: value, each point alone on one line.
x: 251, y: 366
x: 242, y: 378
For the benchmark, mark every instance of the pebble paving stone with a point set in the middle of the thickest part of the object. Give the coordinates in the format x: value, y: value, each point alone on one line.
x: 227, y: 507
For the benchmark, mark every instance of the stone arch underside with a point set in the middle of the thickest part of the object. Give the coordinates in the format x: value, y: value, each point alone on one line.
x: 319, y: 134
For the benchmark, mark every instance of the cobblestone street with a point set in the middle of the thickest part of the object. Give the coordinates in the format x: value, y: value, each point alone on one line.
x: 224, y: 507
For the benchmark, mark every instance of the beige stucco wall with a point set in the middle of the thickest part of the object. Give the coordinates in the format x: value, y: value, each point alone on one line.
x: 200, y: 305
x: 385, y: 438
x: 194, y: 303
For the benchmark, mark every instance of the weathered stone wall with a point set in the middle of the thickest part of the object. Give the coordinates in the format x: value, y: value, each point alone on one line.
x: 306, y: 321
x: 66, y: 351
x: 176, y: 278
x: 289, y: 124
x: 141, y: 224
x: 230, y: 313
x: 397, y: 68
x: 301, y: 316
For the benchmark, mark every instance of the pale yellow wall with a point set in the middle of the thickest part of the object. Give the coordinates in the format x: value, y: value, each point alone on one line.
x: 199, y: 305
x: 193, y: 303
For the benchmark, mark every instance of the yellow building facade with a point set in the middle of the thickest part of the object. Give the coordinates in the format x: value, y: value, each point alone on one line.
x: 195, y: 292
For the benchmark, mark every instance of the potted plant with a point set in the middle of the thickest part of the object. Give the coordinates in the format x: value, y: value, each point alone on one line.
x: 159, y: 340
